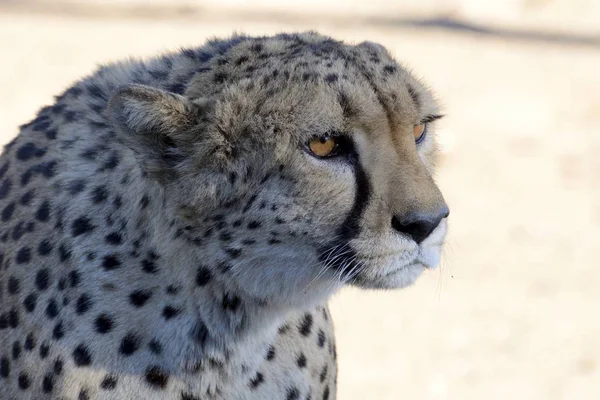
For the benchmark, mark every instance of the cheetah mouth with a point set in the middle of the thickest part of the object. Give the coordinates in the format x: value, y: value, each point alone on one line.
x: 392, y: 270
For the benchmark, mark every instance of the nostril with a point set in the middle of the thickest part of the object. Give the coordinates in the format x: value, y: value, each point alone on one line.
x: 397, y: 224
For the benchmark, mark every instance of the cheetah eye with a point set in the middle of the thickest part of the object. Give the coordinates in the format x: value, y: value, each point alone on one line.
x: 327, y: 146
x: 419, y: 132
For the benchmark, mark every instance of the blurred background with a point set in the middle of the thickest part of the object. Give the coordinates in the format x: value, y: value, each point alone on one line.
x: 514, y: 312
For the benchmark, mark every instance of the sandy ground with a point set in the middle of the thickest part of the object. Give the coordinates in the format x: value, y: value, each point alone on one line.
x: 515, y: 310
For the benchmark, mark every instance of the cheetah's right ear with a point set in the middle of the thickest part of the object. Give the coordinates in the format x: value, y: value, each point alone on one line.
x: 158, y: 126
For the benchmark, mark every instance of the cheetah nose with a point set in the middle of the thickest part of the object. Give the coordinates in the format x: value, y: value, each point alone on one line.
x: 419, y: 225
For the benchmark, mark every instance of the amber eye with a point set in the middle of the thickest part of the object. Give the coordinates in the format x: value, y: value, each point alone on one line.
x: 323, y: 146
x: 330, y: 145
x: 419, y: 132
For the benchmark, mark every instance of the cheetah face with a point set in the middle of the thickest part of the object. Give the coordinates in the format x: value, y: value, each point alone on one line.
x: 313, y: 173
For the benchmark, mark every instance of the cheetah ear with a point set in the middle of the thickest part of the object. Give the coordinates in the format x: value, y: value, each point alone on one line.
x: 157, y: 125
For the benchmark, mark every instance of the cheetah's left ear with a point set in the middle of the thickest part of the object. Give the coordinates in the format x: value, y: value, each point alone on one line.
x: 157, y: 125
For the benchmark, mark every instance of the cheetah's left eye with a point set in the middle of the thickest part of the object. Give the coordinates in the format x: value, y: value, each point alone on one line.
x: 327, y: 146
x: 419, y: 132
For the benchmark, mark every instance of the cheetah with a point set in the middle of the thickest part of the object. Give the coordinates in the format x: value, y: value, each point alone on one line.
x: 173, y: 228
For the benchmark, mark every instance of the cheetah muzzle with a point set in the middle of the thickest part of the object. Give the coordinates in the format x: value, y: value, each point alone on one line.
x: 173, y: 228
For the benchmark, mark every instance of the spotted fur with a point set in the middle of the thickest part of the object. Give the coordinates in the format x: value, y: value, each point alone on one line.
x: 165, y: 234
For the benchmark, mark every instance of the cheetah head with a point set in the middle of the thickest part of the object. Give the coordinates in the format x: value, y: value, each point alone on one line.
x: 297, y: 163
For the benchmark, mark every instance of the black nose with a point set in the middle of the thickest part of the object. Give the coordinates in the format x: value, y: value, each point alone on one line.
x: 419, y: 225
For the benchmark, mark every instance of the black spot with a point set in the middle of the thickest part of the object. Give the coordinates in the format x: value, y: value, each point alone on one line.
x: 172, y: 289
x: 323, y: 374
x: 301, y: 361
x: 58, y: 332
x: 149, y: 266
x: 201, y: 333
x: 155, y: 346
x: 189, y: 396
x: 306, y: 325
x: 103, y: 323
x: 58, y: 367
x: 109, y: 382
x: 16, y: 350
x: 326, y: 393
x: 414, y: 96
x: 3, y: 169
x: 274, y: 241
x: 4, y: 367
x: 13, y: 318
x: 82, y: 356
x: 220, y: 77
x: 249, y: 203
x: 83, y: 395
x: 331, y: 78
x: 254, y: 224
x: 3, y: 321
x: 52, y: 309
x: 99, y: 194
x: 117, y: 202
x: 111, y: 163
x: 257, y: 380
x: 82, y: 225
x: 24, y: 381
x: 7, y: 212
x: 43, y: 212
x: 48, y: 383
x: 233, y: 252
x: 46, y: 169
x: 144, y: 202
x: 23, y: 255
x: 18, y: 231
x: 45, y: 247
x: 51, y: 134
x: 203, y: 276
x: 64, y: 253
x: 44, y: 349
x: 30, y: 302
x: 390, y: 69
x: 113, y: 238
x: 28, y: 151
x: 5, y: 188
x: 129, y: 344
x: 170, y: 312
x: 321, y: 338
x: 74, y: 278
x: 283, y: 329
x: 177, y: 88
x: 27, y: 197
x: 76, y: 186
x: 13, y: 286
x: 139, y: 297
x: 110, y: 262
x: 156, y: 377
x: 231, y: 303
x: 270, y: 354
x: 30, y: 342
x: 292, y: 394
x: 42, y: 279
x: 225, y: 236
x: 83, y: 304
